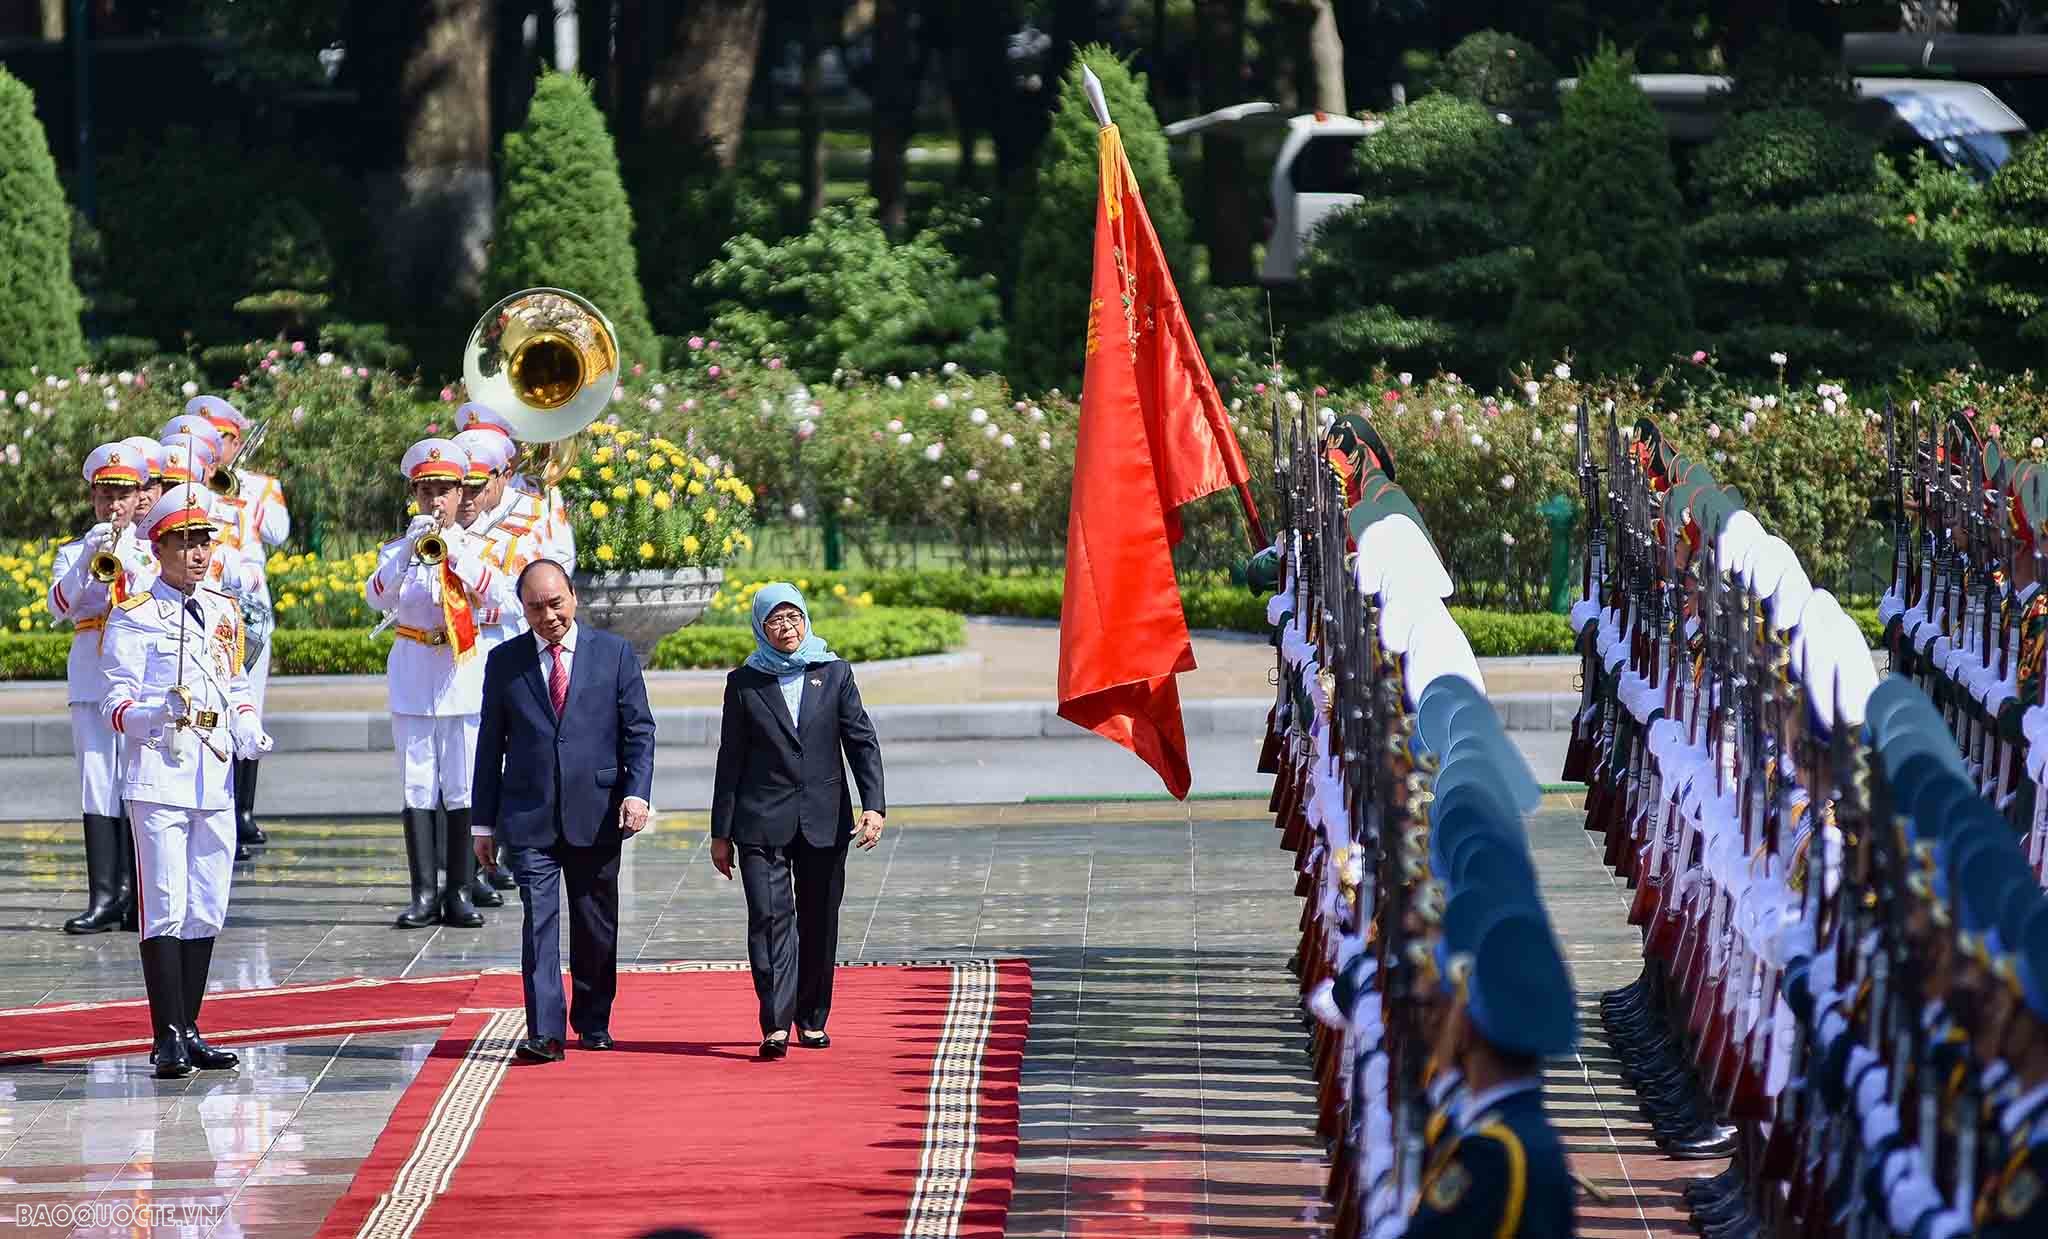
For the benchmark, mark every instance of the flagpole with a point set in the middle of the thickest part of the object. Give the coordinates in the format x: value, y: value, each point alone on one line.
x: 1256, y: 530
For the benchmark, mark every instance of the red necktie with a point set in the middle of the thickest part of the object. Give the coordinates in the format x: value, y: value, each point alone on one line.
x: 558, y: 681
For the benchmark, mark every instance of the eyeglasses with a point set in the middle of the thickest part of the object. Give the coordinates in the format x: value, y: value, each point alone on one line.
x: 788, y: 622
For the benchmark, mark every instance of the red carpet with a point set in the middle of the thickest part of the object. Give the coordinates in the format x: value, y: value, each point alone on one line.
x: 61, y: 1031
x: 906, y: 1126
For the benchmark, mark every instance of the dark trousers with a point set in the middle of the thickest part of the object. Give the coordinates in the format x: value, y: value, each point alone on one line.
x: 592, y: 877
x: 793, y: 894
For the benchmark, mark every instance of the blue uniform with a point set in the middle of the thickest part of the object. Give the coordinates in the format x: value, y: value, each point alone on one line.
x: 1503, y: 1174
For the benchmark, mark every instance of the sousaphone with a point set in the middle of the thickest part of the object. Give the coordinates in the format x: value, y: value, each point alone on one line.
x: 547, y: 360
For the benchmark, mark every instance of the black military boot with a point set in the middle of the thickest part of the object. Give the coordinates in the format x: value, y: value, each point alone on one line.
x: 124, y: 879
x: 246, y: 830
x: 197, y: 960
x: 424, y: 910
x: 456, y: 908
x: 102, y: 876
x: 163, y: 975
x: 501, y: 873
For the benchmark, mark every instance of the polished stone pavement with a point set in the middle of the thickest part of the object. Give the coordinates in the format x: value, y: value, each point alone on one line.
x: 1165, y: 1091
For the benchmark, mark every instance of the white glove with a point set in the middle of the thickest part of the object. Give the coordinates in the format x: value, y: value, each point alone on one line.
x: 423, y: 523
x: 146, y: 722
x: 98, y: 536
x: 251, y: 742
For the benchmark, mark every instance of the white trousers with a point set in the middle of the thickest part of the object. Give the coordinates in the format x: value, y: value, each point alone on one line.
x: 436, y: 758
x: 96, y: 748
x: 259, y: 674
x: 184, y: 860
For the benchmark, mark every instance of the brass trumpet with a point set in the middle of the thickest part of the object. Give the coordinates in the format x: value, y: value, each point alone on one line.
x: 430, y: 548
x: 105, y: 567
x: 222, y: 482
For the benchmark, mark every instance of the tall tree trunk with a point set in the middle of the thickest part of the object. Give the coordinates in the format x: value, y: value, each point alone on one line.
x: 52, y: 13
x: 1225, y: 187
x: 894, y: 106
x: 811, y: 118
x: 1326, y: 56
x: 698, y: 91
x: 594, y: 52
x: 427, y: 141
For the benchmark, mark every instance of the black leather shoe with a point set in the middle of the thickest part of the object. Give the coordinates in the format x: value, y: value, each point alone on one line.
x: 539, y: 1050
x: 599, y: 1040
x: 484, y: 895
x: 814, y: 1040
x: 206, y: 1057
x: 501, y: 878
x: 773, y: 1048
x: 242, y: 852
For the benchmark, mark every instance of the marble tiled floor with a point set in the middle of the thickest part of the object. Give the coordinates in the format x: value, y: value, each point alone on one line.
x: 1165, y: 1092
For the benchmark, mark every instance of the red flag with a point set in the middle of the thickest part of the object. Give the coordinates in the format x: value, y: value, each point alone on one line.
x: 1154, y: 435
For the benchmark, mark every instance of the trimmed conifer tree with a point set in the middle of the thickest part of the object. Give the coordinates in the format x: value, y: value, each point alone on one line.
x: 563, y: 218
x: 1606, y: 278
x: 2010, y: 255
x: 40, y: 303
x: 1421, y: 275
x: 1049, y: 305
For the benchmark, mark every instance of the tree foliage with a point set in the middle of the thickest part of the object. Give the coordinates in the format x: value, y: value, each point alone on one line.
x: 563, y: 218
x: 39, y: 302
x: 2009, y: 257
x: 1049, y: 310
x: 1423, y: 272
x: 1606, y: 277
x: 843, y: 296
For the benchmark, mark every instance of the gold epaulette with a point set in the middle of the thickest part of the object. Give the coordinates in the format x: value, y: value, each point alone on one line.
x: 133, y: 601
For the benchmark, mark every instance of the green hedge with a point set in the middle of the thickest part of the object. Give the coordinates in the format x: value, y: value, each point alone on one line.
x: 883, y: 632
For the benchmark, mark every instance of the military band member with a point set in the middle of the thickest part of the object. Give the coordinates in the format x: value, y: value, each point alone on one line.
x: 486, y: 511
x: 152, y: 488
x: 261, y: 522
x: 177, y: 691
x: 1501, y: 1169
x: 88, y: 578
x: 434, y: 582
x: 534, y: 505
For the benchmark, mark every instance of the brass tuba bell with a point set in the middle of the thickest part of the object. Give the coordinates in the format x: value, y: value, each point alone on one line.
x: 547, y: 360
x: 222, y: 482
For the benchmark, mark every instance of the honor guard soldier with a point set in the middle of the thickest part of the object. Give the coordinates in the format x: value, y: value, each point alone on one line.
x: 534, y: 508
x: 2014, y: 1201
x: 176, y: 689
x: 90, y: 577
x: 485, y: 510
x: 261, y: 522
x: 432, y: 583
x: 1501, y: 1170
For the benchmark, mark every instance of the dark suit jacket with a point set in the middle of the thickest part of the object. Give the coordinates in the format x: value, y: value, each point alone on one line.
x: 776, y: 779
x: 540, y: 779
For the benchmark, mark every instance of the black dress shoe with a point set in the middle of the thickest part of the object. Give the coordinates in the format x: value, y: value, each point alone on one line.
x: 539, y: 1050
x: 502, y: 878
x: 169, y: 1058
x: 599, y: 1040
x: 773, y: 1048
x: 814, y: 1040
x: 242, y: 852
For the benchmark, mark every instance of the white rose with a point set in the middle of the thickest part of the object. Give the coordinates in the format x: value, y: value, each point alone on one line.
x: 127, y: 378
x: 1406, y: 378
x: 325, y: 359
x: 941, y: 401
x: 934, y: 451
x: 895, y: 425
x: 1507, y: 481
x: 1037, y: 414
x: 1755, y: 403
x: 1533, y: 388
x: 1777, y: 359
x: 1045, y: 443
x: 894, y: 383
x: 1016, y: 488
x: 946, y: 482
x: 905, y: 438
x: 991, y: 430
x: 974, y: 475
x: 1536, y: 435
x: 190, y: 389
x: 1828, y: 406
x: 1506, y: 538
x: 950, y: 368
x: 796, y: 511
x: 978, y: 416
x: 1008, y: 440
x: 1563, y: 371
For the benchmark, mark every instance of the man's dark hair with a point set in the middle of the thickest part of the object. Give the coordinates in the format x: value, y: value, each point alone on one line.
x: 519, y: 586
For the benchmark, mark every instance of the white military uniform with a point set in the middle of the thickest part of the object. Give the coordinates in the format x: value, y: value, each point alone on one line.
x: 180, y: 804
x: 537, y: 510
x: 84, y: 601
x: 505, y: 540
x: 436, y: 689
x: 260, y: 521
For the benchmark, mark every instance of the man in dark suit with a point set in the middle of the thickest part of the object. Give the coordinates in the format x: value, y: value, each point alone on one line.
x: 564, y: 769
x: 792, y: 721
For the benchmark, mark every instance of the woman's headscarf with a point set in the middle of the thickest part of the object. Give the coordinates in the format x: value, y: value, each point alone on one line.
x: 765, y: 656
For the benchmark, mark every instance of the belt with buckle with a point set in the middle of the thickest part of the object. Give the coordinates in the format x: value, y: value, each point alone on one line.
x: 91, y: 623
x: 425, y: 636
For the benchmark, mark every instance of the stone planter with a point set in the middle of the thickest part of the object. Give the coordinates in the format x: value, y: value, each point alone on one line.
x: 644, y: 607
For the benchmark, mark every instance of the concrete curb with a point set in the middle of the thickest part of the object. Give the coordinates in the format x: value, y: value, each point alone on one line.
x: 697, y: 726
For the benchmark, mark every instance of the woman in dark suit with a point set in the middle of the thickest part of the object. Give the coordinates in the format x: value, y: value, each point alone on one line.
x: 781, y: 808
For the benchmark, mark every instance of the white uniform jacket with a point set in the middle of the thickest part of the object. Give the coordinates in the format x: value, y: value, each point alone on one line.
x: 260, y: 521
x: 84, y: 601
x: 424, y: 676
x: 184, y: 769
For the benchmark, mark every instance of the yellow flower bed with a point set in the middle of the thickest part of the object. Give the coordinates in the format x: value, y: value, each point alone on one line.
x: 734, y: 601
x: 639, y: 502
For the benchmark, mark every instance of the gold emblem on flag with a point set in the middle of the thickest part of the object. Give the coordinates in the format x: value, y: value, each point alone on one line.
x: 1094, y: 326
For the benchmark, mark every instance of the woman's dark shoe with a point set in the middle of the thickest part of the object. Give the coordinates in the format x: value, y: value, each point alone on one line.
x: 774, y: 1047
x: 814, y: 1040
